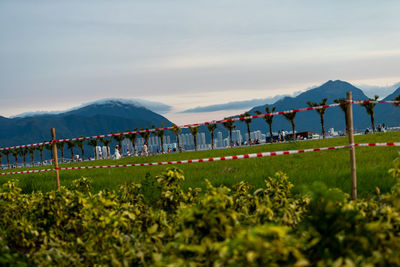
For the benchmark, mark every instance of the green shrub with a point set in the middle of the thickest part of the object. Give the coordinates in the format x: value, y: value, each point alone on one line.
x: 158, y: 223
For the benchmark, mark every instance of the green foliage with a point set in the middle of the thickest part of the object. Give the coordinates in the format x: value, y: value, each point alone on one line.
x: 157, y: 223
x: 83, y: 184
x: 397, y: 98
x: 395, y: 171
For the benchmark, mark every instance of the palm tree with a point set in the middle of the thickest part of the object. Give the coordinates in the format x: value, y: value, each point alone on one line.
x: 160, y: 134
x: 70, y: 146
x: 7, y: 154
x: 40, y: 149
x: 23, y: 152
x: 321, y: 112
x: 94, y: 143
x: 119, y: 138
x: 132, y: 137
x: 229, y: 125
x: 145, y: 135
x: 247, y: 121
x: 176, y: 130
x: 80, y: 143
x: 60, y: 145
x: 343, y: 108
x: 397, y: 99
x: 31, y: 152
x: 268, y: 119
x: 194, y: 131
x: 107, y: 143
x: 290, y: 117
x: 15, y: 153
x: 49, y: 147
x: 369, y: 108
x: 211, y: 128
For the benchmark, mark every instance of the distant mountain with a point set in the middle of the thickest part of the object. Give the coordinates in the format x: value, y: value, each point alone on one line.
x: 96, y: 118
x: 151, y: 105
x: 310, y: 120
x: 388, y: 113
x: 382, y: 91
x: 393, y: 95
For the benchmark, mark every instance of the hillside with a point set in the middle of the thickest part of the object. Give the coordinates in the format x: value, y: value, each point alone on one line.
x: 334, y: 117
x: 389, y: 113
x: 97, y: 118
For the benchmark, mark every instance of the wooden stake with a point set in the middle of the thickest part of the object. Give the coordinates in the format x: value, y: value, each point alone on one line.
x: 352, y: 147
x: 53, y: 136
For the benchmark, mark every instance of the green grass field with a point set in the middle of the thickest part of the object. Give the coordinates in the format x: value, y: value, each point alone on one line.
x: 330, y: 167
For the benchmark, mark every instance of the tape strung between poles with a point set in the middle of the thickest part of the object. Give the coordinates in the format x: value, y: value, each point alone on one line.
x: 203, y: 123
x: 243, y: 156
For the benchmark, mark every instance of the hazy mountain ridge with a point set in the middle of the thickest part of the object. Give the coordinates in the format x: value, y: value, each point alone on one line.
x: 114, y: 115
x: 97, y: 118
x: 393, y: 95
x: 157, y: 107
x: 334, y: 117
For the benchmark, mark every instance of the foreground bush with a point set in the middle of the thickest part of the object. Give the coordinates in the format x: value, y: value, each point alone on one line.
x: 159, y: 224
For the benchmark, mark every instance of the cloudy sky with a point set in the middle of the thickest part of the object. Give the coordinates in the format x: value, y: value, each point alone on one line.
x: 59, y: 54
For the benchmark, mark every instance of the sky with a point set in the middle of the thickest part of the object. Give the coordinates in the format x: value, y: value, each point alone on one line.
x: 55, y: 55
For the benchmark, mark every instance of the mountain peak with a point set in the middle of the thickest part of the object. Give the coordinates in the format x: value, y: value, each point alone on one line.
x: 336, y: 83
x: 157, y: 107
x: 333, y: 89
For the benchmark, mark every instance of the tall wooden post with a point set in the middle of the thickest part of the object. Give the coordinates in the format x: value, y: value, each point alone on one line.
x: 352, y: 147
x: 53, y: 136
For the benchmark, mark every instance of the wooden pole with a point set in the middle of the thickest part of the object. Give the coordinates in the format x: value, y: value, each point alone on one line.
x: 352, y: 147
x: 53, y: 136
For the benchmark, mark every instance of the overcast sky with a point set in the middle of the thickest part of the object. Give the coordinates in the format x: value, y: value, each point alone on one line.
x: 59, y: 54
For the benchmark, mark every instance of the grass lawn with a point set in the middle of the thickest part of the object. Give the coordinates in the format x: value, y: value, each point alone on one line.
x: 330, y: 167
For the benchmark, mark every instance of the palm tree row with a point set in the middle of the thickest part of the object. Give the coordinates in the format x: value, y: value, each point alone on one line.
x: 229, y: 126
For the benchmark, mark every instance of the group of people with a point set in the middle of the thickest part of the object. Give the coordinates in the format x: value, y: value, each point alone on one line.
x: 117, y: 154
x: 381, y: 128
x: 282, y: 135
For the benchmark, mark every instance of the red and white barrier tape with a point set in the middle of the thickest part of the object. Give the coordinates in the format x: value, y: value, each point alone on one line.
x: 198, y: 124
x: 376, y: 101
x: 378, y: 144
x: 27, y: 171
x: 244, y: 156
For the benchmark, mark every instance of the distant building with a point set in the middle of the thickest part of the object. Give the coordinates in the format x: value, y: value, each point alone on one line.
x: 202, y: 139
x: 332, y: 132
x: 218, y: 140
x: 236, y: 136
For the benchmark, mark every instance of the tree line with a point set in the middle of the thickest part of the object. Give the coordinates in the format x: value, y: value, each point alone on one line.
x: 228, y: 125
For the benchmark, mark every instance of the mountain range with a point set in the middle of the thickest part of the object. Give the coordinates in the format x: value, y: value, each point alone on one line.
x: 334, y: 117
x: 96, y: 118
x: 118, y: 115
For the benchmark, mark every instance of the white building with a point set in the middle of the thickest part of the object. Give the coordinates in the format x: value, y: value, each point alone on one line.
x: 332, y: 132
x: 236, y: 137
x: 218, y: 140
x: 226, y: 142
x: 201, y: 139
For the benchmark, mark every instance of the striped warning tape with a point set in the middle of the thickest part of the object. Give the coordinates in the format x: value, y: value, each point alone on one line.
x: 27, y: 171
x: 376, y: 101
x: 199, y: 124
x: 244, y: 156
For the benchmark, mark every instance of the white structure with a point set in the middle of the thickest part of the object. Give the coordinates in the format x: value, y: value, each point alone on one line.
x: 332, y: 132
x: 201, y: 139
x: 104, y: 152
x: 218, y: 140
x: 236, y: 137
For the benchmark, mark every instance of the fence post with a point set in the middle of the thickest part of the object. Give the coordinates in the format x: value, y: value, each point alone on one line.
x: 352, y: 147
x: 53, y: 137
